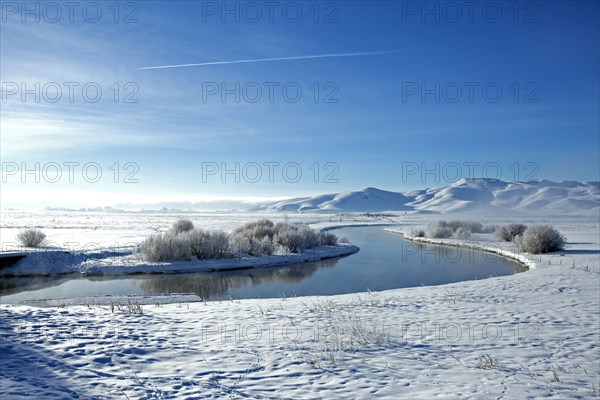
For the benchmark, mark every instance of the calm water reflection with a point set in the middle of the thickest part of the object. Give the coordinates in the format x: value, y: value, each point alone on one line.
x: 385, y: 261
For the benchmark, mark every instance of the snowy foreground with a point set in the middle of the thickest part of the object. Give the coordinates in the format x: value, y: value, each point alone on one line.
x: 530, y: 335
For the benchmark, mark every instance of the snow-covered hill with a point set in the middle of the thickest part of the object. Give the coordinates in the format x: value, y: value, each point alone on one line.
x: 474, y: 195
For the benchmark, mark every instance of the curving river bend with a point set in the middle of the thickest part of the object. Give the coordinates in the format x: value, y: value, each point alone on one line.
x: 385, y: 261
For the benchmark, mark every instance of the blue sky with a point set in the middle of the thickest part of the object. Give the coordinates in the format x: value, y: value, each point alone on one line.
x: 360, y: 120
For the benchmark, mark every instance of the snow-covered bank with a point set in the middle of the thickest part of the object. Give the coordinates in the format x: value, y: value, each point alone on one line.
x: 504, y: 249
x: 106, y: 262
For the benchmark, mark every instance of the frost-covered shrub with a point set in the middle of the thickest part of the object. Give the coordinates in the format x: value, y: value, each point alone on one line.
x: 311, y: 238
x: 166, y: 247
x: 456, y: 228
x: 281, y: 226
x: 198, y: 243
x: 206, y: 245
x: 509, y: 232
x: 219, y: 244
x: 328, y: 239
x: 489, y: 228
x: 418, y: 233
x: 541, y: 239
x: 454, y: 225
x: 439, y: 230
x: 290, y: 239
x: 266, y: 246
x: 182, y: 225
x: 31, y: 238
x: 240, y: 243
x: 462, y: 233
x: 471, y: 226
x: 255, y: 238
x: 256, y: 231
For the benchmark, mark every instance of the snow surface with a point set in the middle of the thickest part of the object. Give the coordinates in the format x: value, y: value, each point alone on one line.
x: 540, y: 329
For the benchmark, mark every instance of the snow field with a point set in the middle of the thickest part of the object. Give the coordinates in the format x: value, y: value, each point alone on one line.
x: 528, y: 335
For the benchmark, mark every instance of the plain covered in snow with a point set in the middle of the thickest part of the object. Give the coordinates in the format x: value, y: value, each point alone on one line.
x: 528, y: 335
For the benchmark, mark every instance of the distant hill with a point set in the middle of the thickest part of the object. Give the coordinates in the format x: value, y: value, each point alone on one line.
x: 473, y: 195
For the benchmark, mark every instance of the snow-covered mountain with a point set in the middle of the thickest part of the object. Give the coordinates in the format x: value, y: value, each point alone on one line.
x: 473, y: 195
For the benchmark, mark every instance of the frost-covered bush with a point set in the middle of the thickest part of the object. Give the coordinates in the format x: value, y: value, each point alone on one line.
x: 264, y: 237
x: 541, y: 239
x: 311, y: 238
x: 328, y: 239
x: 198, y: 243
x: 166, y: 247
x: 509, y: 232
x: 290, y: 239
x: 206, y: 245
x: 471, y: 226
x: 219, y: 244
x: 462, y: 233
x: 454, y: 225
x: 474, y: 227
x: 182, y: 225
x: 31, y: 238
x: 257, y: 229
x: 457, y: 229
x: 265, y: 246
x: 240, y: 243
x: 490, y: 228
x: 440, y: 230
x: 418, y: 233
x: 255, y: 238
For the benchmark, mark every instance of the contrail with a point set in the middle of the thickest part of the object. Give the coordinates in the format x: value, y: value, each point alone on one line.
x: 366, y: 53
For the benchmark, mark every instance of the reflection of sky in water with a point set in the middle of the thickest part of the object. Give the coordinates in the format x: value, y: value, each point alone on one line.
x: 385, y: 261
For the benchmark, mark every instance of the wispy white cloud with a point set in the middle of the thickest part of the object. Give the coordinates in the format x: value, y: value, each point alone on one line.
x: 257, y: 60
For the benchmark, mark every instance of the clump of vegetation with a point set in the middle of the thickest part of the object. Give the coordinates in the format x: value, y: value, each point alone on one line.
x: 418, y: 233
x: 509, y: 232
x: 182, y: 225
x: 166, y: 247
x: 31, y: 238
x: 439, y: 230
x: 487, y: 362
x: 257, y: 238
x: 206, y: 245
x: 541, y: 239
x: 328, y: 239
x: 265, y: 237
x: 296, y: 238
x: 471, y: 226
x: 456, y: 229
x: 462, y: 233
x: 254, y: 238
